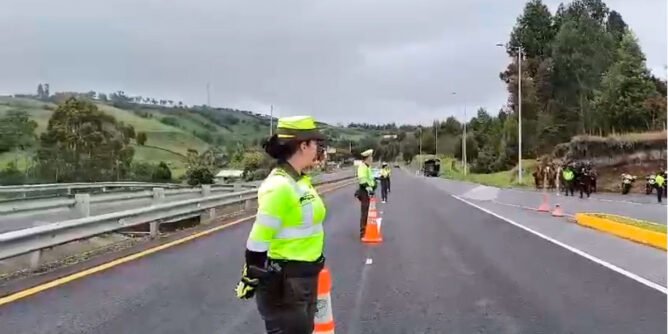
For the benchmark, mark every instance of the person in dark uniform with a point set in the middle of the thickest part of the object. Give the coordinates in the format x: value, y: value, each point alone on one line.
x: 384, y: 182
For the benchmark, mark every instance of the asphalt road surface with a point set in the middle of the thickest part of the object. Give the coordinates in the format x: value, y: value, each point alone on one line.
x: 23, y: 220
x: 444, y: 267
x: 632, y: 205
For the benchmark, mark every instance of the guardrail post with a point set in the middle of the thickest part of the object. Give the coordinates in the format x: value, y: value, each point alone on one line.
x: 158, y: 195
x: 236, y: 187
x: 82, y: 204
x: 206, y: 190
x: 207, y: 216
x: 247, y: 205
x: 35, y: 256
x: 154, y: 228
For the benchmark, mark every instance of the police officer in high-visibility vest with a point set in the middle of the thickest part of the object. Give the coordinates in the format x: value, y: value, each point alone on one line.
x: 384, y: 182
x: 367, y: 186
x: 569, y: 181
x: 284, y: 250
x: 660, y: 184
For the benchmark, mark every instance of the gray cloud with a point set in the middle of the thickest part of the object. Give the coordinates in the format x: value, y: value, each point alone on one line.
x: 340, y: 60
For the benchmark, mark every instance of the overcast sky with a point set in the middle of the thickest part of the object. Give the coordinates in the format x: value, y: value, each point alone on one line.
x: 339, y: 60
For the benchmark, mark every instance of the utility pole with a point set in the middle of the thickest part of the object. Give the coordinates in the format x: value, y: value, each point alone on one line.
x: 519, y: 114
x: 208, y: 95
x: 437, y: 124
x: 271, y: 121
x: 420, y: 127
x: 464, y: 144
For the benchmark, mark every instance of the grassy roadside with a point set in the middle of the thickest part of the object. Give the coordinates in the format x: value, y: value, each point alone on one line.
x: 643, y: 224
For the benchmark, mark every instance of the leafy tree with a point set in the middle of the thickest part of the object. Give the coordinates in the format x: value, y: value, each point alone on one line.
x: 141, y: 138
x: 533, y: 32
x: 582, y: 53
x: 199, y: 175
x: 625, y: 88
x: 616, y: 26
x: 17, y: 131
x: 81, y: 143
x: 161, y: 173
x: 11, y: 175
x: 102, y: 97
x: 40, y: 91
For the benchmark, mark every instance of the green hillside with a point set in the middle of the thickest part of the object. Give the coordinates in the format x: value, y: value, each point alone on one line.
x: 171, y: 131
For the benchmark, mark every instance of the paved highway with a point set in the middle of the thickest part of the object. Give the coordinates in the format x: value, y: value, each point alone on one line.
x: 444, y: 267
x: 23, y: 220
x: 636, y: 206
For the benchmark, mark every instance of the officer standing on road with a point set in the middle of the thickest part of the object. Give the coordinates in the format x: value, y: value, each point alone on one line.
x: 284, y: 251
x: 384, y: 182
x: 367, y: 186
x: 389, y: 174
x: 660, y: 184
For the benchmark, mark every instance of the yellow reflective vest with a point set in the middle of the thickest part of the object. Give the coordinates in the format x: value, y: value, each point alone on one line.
x: 288, y: 224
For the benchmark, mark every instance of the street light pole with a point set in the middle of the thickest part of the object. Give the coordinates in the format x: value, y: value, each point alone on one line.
x: 519, y: 112
x: 437, y: 124
x: 464, y: 145
x: 271, y: 121
x: 420, y: 128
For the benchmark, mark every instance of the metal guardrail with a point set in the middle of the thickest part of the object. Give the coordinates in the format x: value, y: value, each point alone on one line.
x: 83, y: 185
x: 27, y: 204
x: 34, y: 239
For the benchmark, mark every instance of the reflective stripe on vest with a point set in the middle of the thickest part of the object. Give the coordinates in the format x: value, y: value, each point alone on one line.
x: 291, y: 239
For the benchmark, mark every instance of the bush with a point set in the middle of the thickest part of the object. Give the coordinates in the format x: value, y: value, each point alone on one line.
x: 587, y: 147
x: 199, y: 175
x: 11, y: 175
x: 161, y: 173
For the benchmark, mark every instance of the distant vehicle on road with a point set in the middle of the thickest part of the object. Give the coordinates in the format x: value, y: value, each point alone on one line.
x: 431, y: 167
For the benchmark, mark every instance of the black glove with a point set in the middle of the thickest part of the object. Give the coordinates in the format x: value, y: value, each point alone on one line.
x: 246, y: 287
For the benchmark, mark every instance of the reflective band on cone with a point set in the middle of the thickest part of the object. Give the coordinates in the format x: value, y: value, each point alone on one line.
x: 324, y: 318
x: 372, y: 232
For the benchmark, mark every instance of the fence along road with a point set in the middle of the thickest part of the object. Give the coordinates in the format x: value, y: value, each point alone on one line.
x: 67, y: 209
x: 33, y: 240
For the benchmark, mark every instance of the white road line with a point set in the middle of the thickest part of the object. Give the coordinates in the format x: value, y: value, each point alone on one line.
x: 353, y: 326
x: 608, y: 265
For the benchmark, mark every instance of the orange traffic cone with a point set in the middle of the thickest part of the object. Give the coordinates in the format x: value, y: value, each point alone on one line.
x: 324, y: 318
x: 544, y: 207
x: 372, y: 232
x: 558, y: 212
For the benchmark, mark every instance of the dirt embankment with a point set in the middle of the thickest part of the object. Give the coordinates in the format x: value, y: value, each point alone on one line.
x: 638, y: 154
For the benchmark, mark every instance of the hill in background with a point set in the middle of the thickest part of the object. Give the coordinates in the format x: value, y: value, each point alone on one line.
x: 170, y: 130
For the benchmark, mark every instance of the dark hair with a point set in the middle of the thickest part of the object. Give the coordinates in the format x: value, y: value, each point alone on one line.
x: 279, y: 149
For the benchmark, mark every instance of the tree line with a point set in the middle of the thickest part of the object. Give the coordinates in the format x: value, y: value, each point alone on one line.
x: 583, y: 72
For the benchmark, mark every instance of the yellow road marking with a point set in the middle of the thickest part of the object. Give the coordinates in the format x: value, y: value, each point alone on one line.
x: 60, y: 281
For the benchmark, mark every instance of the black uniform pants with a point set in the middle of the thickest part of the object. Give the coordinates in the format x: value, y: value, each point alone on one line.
x: 288, y: 304
x: 384, y: 188
x: 364, y: 214
x: 569, y: 186
x: 659, y: 192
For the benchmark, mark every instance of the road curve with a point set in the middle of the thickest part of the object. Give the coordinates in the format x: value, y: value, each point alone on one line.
x: 444, y: 267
